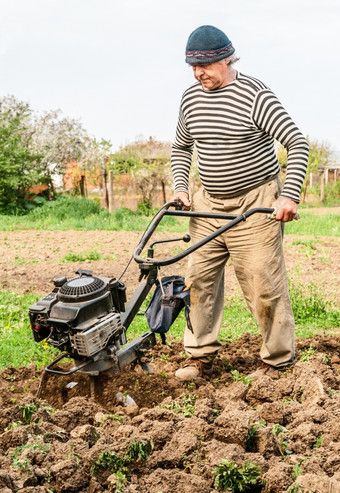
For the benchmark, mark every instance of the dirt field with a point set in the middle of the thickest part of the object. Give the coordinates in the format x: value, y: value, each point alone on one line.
x: 29, y: 260
x: 287, y: 425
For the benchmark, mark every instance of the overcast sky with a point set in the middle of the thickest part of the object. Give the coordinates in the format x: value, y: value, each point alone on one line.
x: 118, y: 65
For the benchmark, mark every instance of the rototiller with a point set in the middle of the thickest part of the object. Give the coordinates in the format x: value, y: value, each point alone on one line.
x: 86, y: 317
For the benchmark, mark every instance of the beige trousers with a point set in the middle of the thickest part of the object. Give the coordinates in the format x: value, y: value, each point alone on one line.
x: 255, y: 248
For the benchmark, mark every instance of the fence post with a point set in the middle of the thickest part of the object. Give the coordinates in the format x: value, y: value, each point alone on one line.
x: 111, y: 196
x: 82, y: 185
x: 322, y: 187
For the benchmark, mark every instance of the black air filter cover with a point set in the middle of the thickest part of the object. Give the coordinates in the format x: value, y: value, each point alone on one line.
x: 81, y: 289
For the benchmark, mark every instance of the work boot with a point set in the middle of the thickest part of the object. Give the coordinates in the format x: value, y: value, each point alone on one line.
x: 270, y: 371
x: 192, y: 369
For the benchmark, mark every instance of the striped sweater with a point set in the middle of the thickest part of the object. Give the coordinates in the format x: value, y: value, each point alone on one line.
x: 234, y: 129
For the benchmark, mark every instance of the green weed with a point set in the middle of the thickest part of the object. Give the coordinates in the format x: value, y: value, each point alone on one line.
x: 82, y: 257
x: 60, y: 435
x: 310, y: 306
x: 14, y: 424
x: 293, y: 488
x: 24, y: 465
x: 236, y: 319
x: 138, y: 451
x: 230, y: 476
x: 306, y: 354
x: 186, y: 406
x: 27, y: 412
x: 309, y: 246
x: 20, y: 261
x: 119, y: 481
x: 282, y: 433
x: 165, y: 357
x: 318, y: 442
x: 237, y: 377
x: 115, y: 417
x: 297, y: 470
x: 108, y: 460
x: 74, y: 454
x: 42, y: 447
x: 253, y: 433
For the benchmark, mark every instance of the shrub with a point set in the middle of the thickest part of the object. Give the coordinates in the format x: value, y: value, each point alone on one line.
x: 67, y: 207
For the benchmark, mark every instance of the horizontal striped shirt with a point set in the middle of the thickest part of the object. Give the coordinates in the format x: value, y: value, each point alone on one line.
x: 234, y: 129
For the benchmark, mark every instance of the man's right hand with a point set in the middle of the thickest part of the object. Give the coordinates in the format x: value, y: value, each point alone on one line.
x: 184, y: 198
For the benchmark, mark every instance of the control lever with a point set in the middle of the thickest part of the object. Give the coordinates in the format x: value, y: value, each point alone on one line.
x: 186, y: 238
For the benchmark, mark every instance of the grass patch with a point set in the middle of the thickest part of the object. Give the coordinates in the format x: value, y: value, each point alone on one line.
x: 311, y: 308
x: 73, y: 213
x: 312, y: 311
x: 81, y: 257
x: 314, y: 224
x: 17, y: 345
x: 307, y: 246
x: 313, y: 314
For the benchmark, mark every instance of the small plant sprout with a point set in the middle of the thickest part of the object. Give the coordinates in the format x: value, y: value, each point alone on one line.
x: 253, y: 433
x: 277, y: 429
x: 27, y: 412
x: 294, y: 488
x: 138, y: 451
x: 24, y: 465
x: 307, y: 353
x: 108, y: 460
x: 118, y: 481
x: 318, y: 442
x: 282, y: 433
x: 186, y: 407
x: 325, y: 359
x: 297, y: 470
x: 82, y: 257
x: 237, y: 377
x: 229, y: 476
x: 115, y: 417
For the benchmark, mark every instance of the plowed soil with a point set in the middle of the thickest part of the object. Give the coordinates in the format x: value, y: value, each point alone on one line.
x: 163, y: 436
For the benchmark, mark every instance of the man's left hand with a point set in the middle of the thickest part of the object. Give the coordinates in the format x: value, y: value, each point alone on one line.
x: 286, y: 209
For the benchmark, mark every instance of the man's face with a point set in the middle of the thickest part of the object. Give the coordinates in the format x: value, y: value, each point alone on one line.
x: 211, y: 75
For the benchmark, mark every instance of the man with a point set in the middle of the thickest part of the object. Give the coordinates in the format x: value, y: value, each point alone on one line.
x: 234, y: 119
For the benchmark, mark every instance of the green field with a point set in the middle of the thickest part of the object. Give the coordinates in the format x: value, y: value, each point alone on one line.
x: 312, y: 313
x: 83, y: 214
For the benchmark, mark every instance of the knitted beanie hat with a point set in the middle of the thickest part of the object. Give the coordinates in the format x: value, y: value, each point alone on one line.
x: 207, y: 44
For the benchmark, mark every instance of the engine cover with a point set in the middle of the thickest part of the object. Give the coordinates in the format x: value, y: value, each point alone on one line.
x: 82, y: 315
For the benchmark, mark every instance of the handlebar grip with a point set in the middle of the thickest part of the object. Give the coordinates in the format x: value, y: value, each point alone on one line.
x: 179, y: 206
